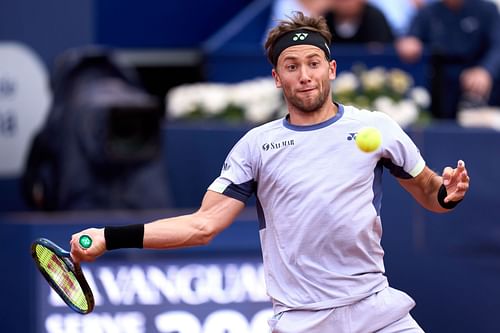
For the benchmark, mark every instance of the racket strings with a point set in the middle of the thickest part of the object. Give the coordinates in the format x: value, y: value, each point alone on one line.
x: 63, y: 278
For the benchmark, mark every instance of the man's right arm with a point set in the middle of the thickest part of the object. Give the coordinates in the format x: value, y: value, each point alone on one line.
x: 216, y: 213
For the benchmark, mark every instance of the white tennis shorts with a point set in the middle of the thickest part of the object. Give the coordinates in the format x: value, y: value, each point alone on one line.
x: 387, y: 311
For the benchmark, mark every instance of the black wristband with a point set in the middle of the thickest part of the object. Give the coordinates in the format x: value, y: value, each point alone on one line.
x: 442, y: 193
x: 124, y: 236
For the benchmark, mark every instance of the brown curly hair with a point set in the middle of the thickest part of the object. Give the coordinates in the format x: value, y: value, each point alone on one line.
x: 296, y: 22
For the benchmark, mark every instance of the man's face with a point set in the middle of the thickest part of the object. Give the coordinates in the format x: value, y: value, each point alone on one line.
x: 304, y: 74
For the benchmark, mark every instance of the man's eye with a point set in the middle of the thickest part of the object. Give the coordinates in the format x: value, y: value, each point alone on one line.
x: 315, y: 64
x: 291, y: 67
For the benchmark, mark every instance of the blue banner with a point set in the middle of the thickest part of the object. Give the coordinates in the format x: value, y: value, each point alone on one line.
x: 155, y: 296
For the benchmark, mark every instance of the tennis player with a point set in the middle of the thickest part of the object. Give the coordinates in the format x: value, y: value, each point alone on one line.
x: 318, y: 199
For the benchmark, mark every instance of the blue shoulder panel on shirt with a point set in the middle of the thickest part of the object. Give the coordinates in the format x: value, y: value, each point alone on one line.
x: 242, y: 191
x: 395, y: 170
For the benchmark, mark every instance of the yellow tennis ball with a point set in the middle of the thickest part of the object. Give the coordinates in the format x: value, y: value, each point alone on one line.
x: 368, y: 139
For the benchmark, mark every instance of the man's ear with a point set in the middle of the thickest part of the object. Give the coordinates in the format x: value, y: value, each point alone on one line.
x: 276, y: 77
x: 333, y: 70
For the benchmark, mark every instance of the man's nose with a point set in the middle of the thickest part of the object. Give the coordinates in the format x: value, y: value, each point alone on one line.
x: 305, y: 77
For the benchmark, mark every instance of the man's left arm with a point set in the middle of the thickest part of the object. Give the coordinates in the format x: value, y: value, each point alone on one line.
x: 438, y: 193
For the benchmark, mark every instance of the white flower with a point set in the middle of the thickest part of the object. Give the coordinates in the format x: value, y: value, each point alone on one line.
x: 404, y: 112
x: 407, y: 113
x: 181, y: 101
x: 421, y: 97
x: 259, y: 99
x: 346, y: 82
x: 399, y: 81
x: 487, y: 117
x: 213, y: 98
x: 373, y: 79
x: 255, y: 113
x: 383, y: 103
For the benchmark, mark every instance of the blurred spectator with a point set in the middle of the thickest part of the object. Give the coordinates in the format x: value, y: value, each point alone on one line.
x: 281, y: 9
x: 356, y: 21
x: 497, y: 2
x: 463, y: 38
x: 399, y: 12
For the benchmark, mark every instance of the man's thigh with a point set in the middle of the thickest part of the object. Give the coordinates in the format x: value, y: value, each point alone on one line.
x: 384, y: 312
x: 302, y: 321
x: 405, y: 325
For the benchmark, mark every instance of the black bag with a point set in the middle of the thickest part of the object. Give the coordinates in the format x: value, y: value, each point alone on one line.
x: 100, y: 147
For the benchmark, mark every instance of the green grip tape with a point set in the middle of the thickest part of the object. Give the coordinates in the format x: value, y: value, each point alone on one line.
x: 85, y: 241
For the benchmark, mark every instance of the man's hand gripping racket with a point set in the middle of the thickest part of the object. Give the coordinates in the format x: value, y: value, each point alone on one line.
x: 80, y: 253
x: 64, y: 274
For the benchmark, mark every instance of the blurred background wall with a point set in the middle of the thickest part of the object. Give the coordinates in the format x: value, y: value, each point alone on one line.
x: 449, y: 264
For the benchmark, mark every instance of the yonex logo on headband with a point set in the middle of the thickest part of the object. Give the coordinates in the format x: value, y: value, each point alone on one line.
x: 300, y: 36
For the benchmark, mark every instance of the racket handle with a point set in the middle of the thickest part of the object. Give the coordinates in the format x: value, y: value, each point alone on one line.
x: 85, y: 241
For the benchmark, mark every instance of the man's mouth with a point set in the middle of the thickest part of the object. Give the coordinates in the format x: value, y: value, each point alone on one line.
x: 306, y: 90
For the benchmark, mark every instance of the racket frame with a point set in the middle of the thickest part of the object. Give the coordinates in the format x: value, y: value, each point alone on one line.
x: 75, y: 268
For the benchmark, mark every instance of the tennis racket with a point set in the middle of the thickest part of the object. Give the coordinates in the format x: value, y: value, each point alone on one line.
x: 63, y: 274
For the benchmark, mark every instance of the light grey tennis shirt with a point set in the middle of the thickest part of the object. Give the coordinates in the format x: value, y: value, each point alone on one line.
x: 318, y: 202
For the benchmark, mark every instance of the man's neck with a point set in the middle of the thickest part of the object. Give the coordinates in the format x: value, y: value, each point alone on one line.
x: 300, y: 118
